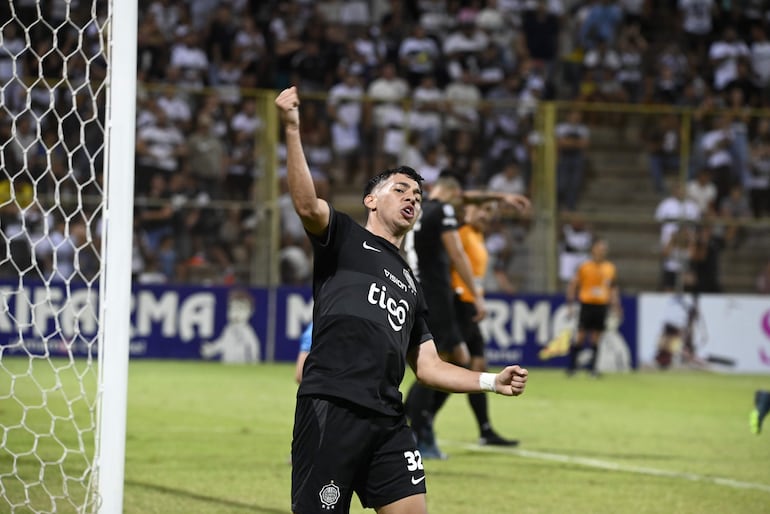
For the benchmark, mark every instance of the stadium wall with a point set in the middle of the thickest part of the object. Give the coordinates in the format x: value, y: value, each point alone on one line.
x: 260, y: 324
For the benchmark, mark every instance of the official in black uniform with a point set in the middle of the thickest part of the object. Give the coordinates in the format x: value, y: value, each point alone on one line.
x: 350, y: 432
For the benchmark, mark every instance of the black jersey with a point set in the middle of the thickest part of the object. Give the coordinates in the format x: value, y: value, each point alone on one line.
x: 368, y: 313
x: 431, y: 261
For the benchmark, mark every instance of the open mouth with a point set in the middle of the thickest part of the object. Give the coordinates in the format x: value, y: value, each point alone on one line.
x: 408, y: 212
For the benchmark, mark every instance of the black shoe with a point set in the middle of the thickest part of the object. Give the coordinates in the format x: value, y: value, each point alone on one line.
x: 491, y: 438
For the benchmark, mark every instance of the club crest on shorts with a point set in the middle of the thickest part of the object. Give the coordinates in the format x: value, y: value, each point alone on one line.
x: 330, y: 495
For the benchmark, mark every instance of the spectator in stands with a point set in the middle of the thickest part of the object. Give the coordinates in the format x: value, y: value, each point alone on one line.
x: 724, y: 54
x: 508, y: 180
x: 428, y: 107
x: 735, y: 210
x: 759, y: 54
x: 502, y: 123
x: 345, y: 110
x: 159, y: 146
x: 717, y: 145
x: 501, y: 247
x: 387, y: 92
x: 675, y: 212
x: 697, y: 18
x: 464, y: 159
x: 703, y: 192
x: 704, y: 259
x: 573, y: 138
x: 574, y: 245
x: 492, y: 68
x: 156, y: 215
x: 463, y: 46
x: 250, y: 48
x: 189, y: 57
x: 311, y: 67
x: 601, y: 24
x: 206, y: 157
x: 662, y: 142
x: 541, y: 31
x: 676, y: 254
x: 435, y: 160
x: 176, y: 105
x: 758, y: 179
x: 240, y: 169
x: 463, y: 99
x: 631, y: 49
x: 418, y: 56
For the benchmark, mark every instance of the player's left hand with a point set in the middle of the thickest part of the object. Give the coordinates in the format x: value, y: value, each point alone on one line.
x: 511, y: 381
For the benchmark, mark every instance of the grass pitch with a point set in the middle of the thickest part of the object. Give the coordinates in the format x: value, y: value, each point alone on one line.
x: 208, y: 438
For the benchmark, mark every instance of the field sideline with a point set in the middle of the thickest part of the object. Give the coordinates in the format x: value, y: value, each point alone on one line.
x: 208, y: 438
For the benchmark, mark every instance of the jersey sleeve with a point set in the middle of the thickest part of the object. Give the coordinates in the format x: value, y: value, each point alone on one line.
x: 420, y: 330
x: 448, y: 218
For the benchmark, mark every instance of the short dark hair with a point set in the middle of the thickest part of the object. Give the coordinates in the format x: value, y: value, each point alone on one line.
x: 385, y: 175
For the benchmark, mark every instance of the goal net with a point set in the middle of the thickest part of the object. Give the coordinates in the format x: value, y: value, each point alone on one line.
x: 63, y: 211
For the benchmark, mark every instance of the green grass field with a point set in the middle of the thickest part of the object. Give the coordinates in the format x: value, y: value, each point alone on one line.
x: 208, y: 438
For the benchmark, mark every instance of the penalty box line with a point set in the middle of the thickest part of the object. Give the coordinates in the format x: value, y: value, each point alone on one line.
x: 611, y: 466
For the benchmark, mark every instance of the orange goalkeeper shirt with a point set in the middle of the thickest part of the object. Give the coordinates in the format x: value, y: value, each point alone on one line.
x: 596, y: 280
x: 476, y: 250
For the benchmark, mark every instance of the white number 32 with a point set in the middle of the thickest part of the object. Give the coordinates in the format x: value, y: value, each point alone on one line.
x: 413, y: 460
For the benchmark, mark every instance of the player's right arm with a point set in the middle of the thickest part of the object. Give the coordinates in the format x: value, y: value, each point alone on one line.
x: 313, y: 211
x: 435, y: 372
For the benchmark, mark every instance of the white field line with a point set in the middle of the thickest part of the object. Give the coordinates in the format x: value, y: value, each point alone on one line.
x: 612, y: 466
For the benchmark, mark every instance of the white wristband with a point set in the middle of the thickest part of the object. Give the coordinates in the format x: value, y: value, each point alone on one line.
x: 487, y: 382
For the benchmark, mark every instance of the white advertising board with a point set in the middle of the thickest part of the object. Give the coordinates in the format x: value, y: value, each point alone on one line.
x: 731, y: 333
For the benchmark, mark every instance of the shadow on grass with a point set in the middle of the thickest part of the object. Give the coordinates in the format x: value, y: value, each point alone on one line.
x: 182, y: 493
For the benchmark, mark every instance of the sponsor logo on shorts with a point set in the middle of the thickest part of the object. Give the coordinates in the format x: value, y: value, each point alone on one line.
x: 330, y: 495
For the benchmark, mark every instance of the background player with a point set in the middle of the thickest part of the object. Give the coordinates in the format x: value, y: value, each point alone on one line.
x: 433, y: 249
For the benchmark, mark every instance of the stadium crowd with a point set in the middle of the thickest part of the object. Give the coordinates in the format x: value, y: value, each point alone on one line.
x: 432, y: 84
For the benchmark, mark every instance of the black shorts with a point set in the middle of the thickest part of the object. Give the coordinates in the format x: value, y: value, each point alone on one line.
x: 592, y: 316
x: 339, y: 448
x: 468, y: 328
x: 442, y: 321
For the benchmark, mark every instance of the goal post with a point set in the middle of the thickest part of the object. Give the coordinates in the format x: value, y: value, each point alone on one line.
x: 67, y: 134
x: 115, y: 291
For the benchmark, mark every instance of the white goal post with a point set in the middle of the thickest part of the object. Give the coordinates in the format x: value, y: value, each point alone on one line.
x: 67, y: 131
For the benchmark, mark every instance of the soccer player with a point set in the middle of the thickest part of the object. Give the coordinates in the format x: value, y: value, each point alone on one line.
x: 434, y: 248
x: 350, y: 431
x: 761, y: 408
x: 594, y: 285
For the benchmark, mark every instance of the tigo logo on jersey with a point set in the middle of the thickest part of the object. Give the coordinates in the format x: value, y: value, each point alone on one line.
x: 396, y: 309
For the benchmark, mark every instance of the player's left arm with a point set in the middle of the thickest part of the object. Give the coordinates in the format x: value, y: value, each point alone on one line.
x: 434, y: 372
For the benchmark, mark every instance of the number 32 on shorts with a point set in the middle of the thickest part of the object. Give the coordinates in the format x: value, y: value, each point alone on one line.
x: 413, y: 460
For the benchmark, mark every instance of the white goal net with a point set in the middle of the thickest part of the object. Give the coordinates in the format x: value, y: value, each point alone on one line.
x: 62, y: 381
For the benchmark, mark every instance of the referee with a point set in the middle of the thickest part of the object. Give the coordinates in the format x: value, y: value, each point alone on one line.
x: 594, y: 285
